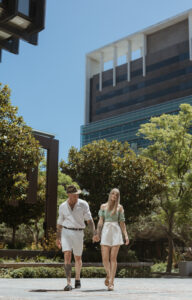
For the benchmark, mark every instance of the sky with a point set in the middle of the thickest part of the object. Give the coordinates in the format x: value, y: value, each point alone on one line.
x: 47, y: 81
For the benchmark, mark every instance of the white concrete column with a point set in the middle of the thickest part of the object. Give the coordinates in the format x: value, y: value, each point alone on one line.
x: 129, y: 60
x: 92, y: 68
x: 190, y: 35
x: 87, y: 90
x: 144, y: 52
x: 114, y: 64
x: 101, y: 68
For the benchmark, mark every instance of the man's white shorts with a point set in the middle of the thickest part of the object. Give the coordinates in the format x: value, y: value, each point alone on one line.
x: 72, y: 240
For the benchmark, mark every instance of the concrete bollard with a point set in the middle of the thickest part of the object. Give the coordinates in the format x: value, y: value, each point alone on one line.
x: 185, y: 268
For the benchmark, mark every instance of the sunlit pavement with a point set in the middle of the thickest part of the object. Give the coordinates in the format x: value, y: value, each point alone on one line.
x: 125, y: 288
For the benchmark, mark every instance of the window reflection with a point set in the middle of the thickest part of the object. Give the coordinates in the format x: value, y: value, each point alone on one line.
x: 23, y: 7
x: 173, y: 89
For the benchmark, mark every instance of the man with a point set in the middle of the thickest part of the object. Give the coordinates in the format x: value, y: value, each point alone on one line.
x: 70, y: 232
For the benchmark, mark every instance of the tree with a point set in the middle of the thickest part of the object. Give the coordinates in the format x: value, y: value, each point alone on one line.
x: 36, y: 223
x: 22, y: 213
x: 19, y: 150
x: 16, y: 213
x: 102, y: 165
x: 171, y: 148
x: 63, y: 181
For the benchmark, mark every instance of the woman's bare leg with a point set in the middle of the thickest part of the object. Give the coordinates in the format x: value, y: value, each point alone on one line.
x: 105, y: 251
x: 113, y: 263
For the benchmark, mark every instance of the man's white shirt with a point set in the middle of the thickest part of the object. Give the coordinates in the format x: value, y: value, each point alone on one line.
x: 74, y: 218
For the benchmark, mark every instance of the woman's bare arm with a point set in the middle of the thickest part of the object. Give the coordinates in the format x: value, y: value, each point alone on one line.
x: 123, y: 228
x: 124, y: 231
x: 100, y: 226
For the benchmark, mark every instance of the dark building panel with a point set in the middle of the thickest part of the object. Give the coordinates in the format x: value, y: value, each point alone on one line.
x: 167, y: 37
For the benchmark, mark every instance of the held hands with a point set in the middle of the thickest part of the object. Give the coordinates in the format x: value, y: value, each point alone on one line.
x: 96, y: 238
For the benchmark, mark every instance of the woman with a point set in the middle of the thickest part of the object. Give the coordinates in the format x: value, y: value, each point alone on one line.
x: 110, y: 227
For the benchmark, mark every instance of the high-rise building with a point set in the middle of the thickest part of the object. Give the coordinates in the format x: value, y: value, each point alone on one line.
x: 142, y: 75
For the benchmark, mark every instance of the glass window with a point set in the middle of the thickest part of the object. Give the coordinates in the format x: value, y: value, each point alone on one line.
x: 173, y: 89
x: 144, y: 84
x: 23, y: 7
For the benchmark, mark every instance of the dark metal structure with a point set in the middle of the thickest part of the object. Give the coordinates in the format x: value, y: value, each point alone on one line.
x: 48, y: 142
x: 20, y: 19
x: 24, y: 19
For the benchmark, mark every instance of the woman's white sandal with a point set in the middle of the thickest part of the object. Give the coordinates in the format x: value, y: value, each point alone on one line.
x: 110, y: 287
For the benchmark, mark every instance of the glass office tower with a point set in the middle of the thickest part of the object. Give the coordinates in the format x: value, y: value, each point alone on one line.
x: 118, y: 100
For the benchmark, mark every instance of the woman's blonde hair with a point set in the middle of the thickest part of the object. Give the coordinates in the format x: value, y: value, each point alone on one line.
x: 110, y: 207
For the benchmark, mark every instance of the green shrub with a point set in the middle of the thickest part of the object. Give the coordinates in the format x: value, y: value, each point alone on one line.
x: 95, y: 272
x: 18, y: 259
x: 139, y: 272
x: 5, y: 273
x: 17, y: 245
x: 40, y: 259
x: 159, y: 267
x: 87, y: 272
x: 126, y: 255
x: 38, y: 272
x: 92, y: 253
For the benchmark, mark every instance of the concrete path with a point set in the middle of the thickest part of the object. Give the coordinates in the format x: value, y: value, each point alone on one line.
x: 93, y: 289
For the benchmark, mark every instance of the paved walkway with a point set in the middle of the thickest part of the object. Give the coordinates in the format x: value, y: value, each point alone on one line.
x: 92, y: 289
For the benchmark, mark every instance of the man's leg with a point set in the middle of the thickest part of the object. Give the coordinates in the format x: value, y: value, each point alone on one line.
x: 77, y: 252
x: 67, y: 267
x: 78, y: 266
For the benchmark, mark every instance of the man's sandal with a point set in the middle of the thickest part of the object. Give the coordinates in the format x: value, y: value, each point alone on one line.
x: 68, y: 287
x: 77, y: 284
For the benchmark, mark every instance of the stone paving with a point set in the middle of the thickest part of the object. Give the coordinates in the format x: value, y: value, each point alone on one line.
x: 93, y: 289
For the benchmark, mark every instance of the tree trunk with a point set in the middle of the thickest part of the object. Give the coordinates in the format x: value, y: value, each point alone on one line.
x: 13, y: 236
x: 170, y: 254
x: 36, y: 234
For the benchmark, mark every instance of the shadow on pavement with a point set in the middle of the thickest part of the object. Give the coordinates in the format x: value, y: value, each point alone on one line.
x: 99, y: 290
x: 44, y: 291
x: 84, y: 291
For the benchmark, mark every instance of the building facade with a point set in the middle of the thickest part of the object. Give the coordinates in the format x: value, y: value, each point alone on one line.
x: 118, y: 100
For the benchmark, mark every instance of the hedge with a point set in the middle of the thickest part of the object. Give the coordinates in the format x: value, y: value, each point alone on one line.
x: 86, y: 272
